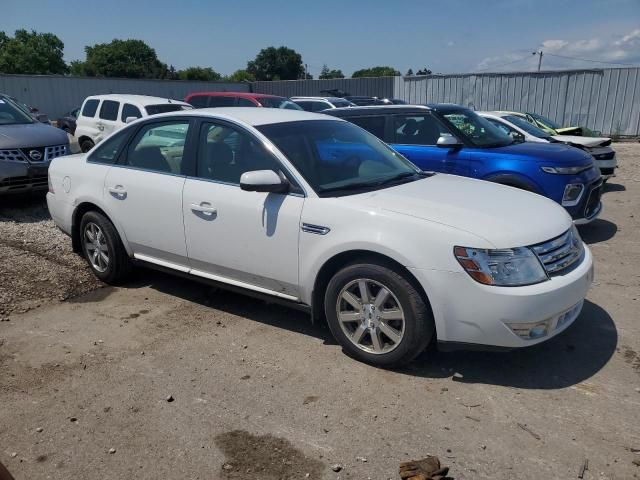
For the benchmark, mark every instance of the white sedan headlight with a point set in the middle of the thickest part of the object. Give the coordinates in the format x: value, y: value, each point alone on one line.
x: 507, y: 267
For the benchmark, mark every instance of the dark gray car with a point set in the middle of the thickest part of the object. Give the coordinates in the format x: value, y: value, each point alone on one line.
x: 26, y: 149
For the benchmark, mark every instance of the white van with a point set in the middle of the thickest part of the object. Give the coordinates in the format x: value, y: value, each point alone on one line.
x: 101, y: 115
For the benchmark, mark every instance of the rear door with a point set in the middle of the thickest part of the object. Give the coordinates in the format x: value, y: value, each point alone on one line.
x: 416, y: 135
x: 143, y: 191
x: 107, y: 119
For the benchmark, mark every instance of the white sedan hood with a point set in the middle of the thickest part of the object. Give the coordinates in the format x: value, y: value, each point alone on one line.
x: 589, y: 142
x: 506, y: 217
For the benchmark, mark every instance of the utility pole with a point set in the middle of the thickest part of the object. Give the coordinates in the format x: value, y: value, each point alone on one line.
x: 539, y: 58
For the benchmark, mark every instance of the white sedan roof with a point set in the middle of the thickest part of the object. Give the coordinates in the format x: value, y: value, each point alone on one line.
x: 254, y: 115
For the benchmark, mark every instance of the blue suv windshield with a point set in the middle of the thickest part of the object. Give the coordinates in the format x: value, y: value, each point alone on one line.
x: 478, y: 131
x: 335, y: 156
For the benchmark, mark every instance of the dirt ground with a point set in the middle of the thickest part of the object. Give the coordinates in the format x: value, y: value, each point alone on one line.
x: 167, y: 378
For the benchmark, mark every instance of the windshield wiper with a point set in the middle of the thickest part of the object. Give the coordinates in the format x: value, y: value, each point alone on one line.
x: 373, y: 184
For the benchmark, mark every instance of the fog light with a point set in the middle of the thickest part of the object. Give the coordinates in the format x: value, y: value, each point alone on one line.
x: 530, y: 331
x: 572, y: 194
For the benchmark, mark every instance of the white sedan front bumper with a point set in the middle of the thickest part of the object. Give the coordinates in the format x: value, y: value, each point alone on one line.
x: 468, y: 312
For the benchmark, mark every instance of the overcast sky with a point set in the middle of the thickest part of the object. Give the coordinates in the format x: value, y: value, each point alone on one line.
x: 444, y: 36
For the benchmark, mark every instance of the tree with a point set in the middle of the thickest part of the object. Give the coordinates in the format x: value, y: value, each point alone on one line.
x: 76, y: 68
x: 409, y: 73
x: 376, y: 72
x: 199, y: 73
x: 32, y: 53
x: 240, y: 76
x: 280, y: 63
x: 123, y: 58
x: 424, y: 71
x: 325, y: 73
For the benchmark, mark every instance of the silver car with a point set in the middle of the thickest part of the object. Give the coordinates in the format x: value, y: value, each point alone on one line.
x: 26, y: 149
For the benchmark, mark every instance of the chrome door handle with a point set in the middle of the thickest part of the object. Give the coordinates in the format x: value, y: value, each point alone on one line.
x: 204, y: 208
x: 117, y: 191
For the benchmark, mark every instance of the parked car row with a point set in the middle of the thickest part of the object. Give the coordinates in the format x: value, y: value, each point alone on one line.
x: 314, y: 211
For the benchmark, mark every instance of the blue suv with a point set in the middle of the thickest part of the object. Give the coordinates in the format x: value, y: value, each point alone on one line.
x: 452, y: 139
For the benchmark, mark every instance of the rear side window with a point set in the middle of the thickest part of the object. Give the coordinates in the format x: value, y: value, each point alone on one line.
x: 107, y: 151
x: 222, y: 101
x: 417, y: 130
x: 374, y: 125
x: 109, y: 110
x: 90, y: 108
x: 129, y: 110
x: 199, y: 101
x: 319, y: 106
x: 307, y: 106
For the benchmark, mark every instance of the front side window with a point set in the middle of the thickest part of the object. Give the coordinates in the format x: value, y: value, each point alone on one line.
x: 418, y: 129
x: 243, y: 102
x: 374, y: 125
x: 10, y: 114
x: 159, y: 147
x: 109, y: 110
x: 342, y: 103
x: 278, y: 102
x: 338, y: 158
x: 545, y: 121
x: 477, y: 130
x: 320, y: 106
x: 527, y: 127
x: 225, y: 153
x: 107, y: 151
x: 90, y: 108
x: 129, y: 110
x: 502, y: 126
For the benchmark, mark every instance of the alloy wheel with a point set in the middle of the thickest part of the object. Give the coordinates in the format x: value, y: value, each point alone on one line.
x: 371, y: 316
x: 95, y: 245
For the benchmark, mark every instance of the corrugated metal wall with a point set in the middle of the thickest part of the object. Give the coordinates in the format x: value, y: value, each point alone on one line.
x: 56, y: 95
x: 378, y: 87
x: 604, y: 100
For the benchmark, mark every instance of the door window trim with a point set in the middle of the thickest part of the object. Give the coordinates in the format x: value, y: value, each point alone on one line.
x: 291, y: 177
x: 188, y: 153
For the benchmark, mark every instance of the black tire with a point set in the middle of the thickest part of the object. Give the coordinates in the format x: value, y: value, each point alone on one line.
x: 419, y: 327
x: 86, y: 145
x: 119, y: 264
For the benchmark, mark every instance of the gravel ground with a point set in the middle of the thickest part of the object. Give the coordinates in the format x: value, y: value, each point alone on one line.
x: 167, y: 378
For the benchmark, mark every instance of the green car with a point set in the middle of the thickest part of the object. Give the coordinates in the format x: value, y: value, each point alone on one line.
x: 551, y: 127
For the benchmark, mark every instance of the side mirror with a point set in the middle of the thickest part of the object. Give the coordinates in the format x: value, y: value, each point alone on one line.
x: 517, y: 137
x: 130, y: 119
x: 448, y: 141
x: 263, y: 181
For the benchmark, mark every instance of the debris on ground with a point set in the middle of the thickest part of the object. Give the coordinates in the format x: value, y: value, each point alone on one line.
x: 583, y: 468
x: 336, y: 467
x: 529, y: 431
x: 428, y: 468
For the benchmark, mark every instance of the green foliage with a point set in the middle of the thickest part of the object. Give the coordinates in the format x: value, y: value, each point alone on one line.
x: 199, y: 73
x: 31, y: 53
x: 123, y: 58
x: 325, y: 73
x: 424, y: 71
x: 409, y: 73
x: 240, y: 76
x: 376, y: 72
x: 273, y: 63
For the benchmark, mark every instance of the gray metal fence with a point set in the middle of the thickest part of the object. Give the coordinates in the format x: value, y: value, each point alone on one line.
x: 604, y: 100
x: 56, y: 95
x: 379, y: 87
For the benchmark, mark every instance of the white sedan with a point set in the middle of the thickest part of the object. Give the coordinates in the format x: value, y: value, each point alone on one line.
x: 314, y: 211
x: 599, y: 147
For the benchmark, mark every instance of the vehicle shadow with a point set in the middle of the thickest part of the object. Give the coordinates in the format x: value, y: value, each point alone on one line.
x: 227, y: 301
x: 24, y: 208
x: 599, y: 230
x: 568, y: 359
x: 613, y: 187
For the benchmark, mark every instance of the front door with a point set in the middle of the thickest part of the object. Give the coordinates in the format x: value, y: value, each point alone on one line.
x: 416, y: 135
x: 107, y: 121
x: 144, y: 192
x: 245, y: 238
